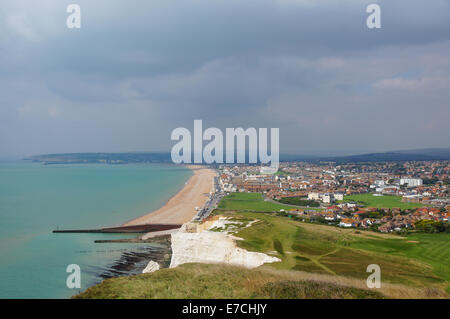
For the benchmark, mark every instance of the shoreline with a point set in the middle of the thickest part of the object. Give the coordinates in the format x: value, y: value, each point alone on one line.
x: 180, y: 208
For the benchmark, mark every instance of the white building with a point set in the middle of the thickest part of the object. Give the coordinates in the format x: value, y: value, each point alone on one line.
x: 412, y: 182
x: 347, y: 204
x: 229, y: 188
x: 327, y: 198
x: 379, y: 183
x: 345, y: 222
x: 313, y: 196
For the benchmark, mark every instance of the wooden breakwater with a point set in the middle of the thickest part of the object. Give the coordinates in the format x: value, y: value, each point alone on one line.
x: 144, y: 228
x: 156, y: 239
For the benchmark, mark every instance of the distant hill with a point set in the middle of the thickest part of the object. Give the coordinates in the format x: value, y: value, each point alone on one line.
x: 426, y: 154
x: 293, y: 157
x: 164, y: 157
x: 428, y: 151
x: 403, y: 155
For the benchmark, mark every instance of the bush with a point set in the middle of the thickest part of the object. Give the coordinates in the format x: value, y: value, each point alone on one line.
x: 431, y: 226
x: 298, y: 201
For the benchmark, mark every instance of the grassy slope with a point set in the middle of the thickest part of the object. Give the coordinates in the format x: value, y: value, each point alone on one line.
x: 335, y: 251
x: 250, y: 202
x: 194, y: 281
x: 381, y: 201
x: 433, y: 249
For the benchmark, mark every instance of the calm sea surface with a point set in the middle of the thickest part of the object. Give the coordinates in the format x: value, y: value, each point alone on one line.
x: 35, y: 199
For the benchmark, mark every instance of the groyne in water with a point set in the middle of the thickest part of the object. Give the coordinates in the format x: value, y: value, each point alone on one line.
x: 144, y: 228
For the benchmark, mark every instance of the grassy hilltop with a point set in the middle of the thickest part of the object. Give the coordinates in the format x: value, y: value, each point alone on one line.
x: 418, y: 260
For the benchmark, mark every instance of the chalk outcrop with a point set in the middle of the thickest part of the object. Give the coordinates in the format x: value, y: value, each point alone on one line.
x: 151, y: 267
x: 213, y: 247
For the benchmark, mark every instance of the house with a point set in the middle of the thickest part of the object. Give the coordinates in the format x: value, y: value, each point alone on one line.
x: 388, y: 227
x: 351, y: 204
x: 422, y: 210
x: 329, y: 216
x: 348, y: 222
x: 358, y: 213
x: 433, y: 211
x: 366, y: 222
x: 333, y: 209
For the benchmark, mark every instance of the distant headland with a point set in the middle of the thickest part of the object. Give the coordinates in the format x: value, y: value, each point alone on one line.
x: 164, y: 157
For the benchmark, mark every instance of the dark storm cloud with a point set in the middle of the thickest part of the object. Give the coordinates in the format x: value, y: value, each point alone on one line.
x: 137, y: 69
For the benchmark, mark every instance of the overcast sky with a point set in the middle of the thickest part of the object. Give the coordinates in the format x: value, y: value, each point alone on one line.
x: 138, y: 69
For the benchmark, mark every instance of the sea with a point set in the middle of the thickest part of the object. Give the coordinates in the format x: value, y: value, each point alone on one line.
x: 36, y: 199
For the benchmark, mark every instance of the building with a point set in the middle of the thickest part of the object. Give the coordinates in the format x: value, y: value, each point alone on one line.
x: 313, y: 196
x: 347, y: 222
x: 411, y: 182
x: 327, y: 198
x: 379, y: 183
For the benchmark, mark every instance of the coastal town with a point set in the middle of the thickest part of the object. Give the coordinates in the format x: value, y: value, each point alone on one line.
x: 381, y: 196
x: 323, y: 221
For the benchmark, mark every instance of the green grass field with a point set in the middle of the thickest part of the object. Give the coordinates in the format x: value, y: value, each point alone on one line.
x: 369, y: 200
x: 420, y: 260
x: 249, y: 202
x: 432, y: 249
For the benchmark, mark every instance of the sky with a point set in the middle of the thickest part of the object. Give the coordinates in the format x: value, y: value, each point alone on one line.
x: 136, y: 70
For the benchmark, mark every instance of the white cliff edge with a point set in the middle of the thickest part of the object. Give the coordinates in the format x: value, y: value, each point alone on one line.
x: 213, y: 247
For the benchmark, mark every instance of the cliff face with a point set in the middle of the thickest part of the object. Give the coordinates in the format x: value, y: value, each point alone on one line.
x: 213, y: 247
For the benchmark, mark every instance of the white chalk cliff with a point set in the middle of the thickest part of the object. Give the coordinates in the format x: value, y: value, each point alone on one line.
x: 213, y: 247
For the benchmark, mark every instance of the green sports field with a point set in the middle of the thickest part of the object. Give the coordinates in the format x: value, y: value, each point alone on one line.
x: 385, y: 201
x: 249, y: 202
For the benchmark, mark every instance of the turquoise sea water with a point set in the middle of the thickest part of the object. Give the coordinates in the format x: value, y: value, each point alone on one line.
x: 35, y: 199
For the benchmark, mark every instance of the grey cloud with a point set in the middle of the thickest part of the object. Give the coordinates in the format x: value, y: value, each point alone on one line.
x: 138, y: 69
